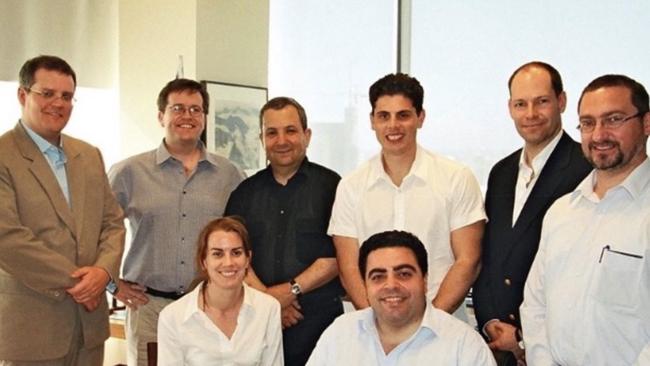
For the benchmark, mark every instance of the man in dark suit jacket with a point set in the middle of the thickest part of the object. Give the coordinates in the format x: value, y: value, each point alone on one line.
x: 521, y: 187
x: 61, y: 230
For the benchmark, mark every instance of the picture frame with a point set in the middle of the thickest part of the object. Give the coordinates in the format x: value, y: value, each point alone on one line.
x: 232, y: 128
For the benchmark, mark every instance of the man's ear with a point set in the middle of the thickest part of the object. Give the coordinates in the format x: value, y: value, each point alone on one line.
x: 421, y: 117
x: 22, y: 95
x: 160, y: 118
x: 308, y: 135
x: 561, y: 101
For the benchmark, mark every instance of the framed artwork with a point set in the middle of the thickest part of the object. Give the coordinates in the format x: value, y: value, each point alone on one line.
x: 232, y: 128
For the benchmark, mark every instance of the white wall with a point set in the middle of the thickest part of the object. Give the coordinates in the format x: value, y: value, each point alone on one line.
x: 219, y: 40
x: 152, y: 33
x: 233, y: 41
x: 80, y: 31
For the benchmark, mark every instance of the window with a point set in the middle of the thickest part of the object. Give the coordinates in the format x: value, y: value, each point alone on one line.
x: 464, y: 54
x: 94, y: 117
x: 326, y: 54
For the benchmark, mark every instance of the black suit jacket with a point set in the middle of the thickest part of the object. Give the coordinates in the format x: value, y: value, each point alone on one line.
x: 508, y: 251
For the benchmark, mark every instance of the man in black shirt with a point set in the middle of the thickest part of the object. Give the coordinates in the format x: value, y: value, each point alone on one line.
x: 286, y: 208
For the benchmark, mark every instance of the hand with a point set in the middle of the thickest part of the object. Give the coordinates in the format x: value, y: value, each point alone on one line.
x: 91, y: 305
x: 131, y: 294
x: 502, y: 338
x: 291, y: 315
x: 92, y: 283
x: 521, y: 361
x: 282, y: 292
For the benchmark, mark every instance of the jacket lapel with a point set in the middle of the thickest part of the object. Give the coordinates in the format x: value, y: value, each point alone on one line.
x: 41, y: 170
x: 549, y: 180
x: 507, y: 189
x: 76, y: 181
x: 502, y: 200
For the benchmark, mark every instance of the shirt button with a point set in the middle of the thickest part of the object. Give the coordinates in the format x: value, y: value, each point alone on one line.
x: 184, y: 215
x: 507, y: 282
x: 184, y: 192
x: 281, y: 212
x: 512, y: 317
x: 182, y: 262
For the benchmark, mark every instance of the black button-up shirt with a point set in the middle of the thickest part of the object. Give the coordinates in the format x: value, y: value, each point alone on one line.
x: 287, y: 224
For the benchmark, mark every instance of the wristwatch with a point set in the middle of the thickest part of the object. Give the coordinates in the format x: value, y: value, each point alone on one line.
x: 520, y: 339
x: 112, y: 288
x: 295, y: 288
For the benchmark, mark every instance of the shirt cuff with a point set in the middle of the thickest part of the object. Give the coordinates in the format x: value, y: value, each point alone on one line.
x: 483, y: 330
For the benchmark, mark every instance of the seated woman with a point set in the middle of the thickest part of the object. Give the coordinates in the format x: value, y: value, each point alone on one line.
x: 222, y: 321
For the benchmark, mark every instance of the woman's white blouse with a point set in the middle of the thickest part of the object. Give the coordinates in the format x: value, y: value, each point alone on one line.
x: 186, y: 336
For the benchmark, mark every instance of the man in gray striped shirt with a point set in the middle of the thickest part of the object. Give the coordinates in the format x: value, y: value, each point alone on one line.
x: 168, y: 195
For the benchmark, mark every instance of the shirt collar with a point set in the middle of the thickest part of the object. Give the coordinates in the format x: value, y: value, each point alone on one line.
x: 302, y: 171
x: 42, y: 144
x: 162, y: 154
x: 192, y: 305
x: 540, y: 160
x: 429, y: 322
x: 634, y: 184
x: 377, y: 173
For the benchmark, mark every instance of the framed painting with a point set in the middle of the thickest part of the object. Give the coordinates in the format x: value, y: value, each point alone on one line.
x: 232, y: 127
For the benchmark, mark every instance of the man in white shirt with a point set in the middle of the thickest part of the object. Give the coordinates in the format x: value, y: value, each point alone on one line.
x: 399, y: 328
x: 521, y: 187
x: 408, y: 188
x: 587, y: 296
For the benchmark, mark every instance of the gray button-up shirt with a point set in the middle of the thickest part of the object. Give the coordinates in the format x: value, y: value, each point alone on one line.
x: 167, y: 210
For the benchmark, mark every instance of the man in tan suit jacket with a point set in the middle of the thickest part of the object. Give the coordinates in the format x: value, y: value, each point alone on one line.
x: 61, y: 230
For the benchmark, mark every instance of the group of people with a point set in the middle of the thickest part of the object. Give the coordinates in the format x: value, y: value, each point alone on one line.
x: 251, y: 271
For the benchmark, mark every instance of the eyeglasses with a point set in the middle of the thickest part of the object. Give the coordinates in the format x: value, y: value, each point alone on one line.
x: 179, y: 110
x: 50, y: 95
x: 587, y: 125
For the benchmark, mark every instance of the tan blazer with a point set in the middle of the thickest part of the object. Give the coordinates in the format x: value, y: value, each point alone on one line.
x: 43, y: 240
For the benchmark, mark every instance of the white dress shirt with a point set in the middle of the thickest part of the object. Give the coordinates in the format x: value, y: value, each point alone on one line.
x: 186, y: 336
x: 441, y: 339
x: 587, y: 297
x: 436, y: 197
x: 527, y: 176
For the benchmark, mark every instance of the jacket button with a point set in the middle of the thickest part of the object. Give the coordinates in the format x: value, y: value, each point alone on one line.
x: 512, y: 317
x: 507, y: 282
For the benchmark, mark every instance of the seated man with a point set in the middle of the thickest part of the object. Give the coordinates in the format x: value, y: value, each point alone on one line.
x: 399, y: 328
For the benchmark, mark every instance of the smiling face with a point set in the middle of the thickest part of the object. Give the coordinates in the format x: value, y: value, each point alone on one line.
x: 47, y: 117
x: 396, y: 123
x: 186, y: 127
x: 614, y: 150
x: 396, y: 287
x: 285, y: 141
x: 535, y: 108
x: 226, y: 259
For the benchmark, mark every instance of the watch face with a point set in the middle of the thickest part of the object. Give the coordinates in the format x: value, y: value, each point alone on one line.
x: 295, y: 289
x: 111, y: 288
